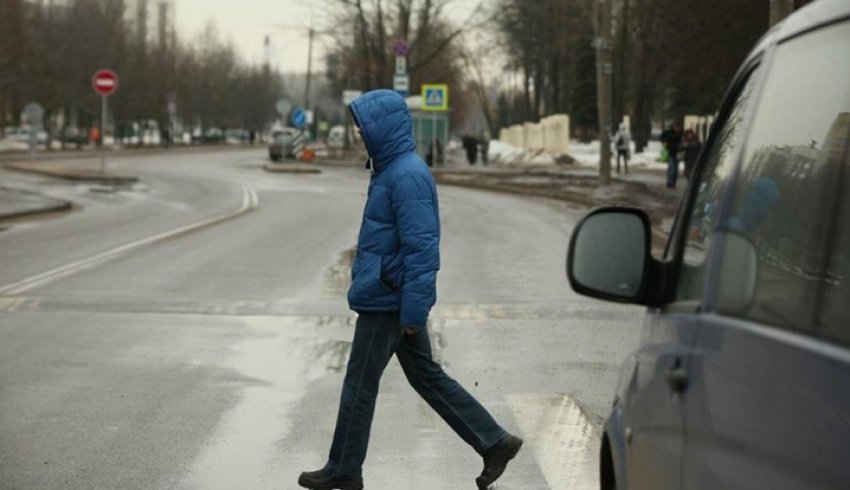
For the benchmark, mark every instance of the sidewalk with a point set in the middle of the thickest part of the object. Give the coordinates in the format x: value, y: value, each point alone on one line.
x: 577, y: 183
x: 26, y: 200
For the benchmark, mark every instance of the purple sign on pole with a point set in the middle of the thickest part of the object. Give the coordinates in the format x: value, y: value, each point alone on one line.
x: 400, y: 47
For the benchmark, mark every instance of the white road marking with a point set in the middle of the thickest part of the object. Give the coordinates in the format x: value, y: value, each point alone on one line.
x: 250, y: 200
x: 13, y: 304
x: 564, y: 441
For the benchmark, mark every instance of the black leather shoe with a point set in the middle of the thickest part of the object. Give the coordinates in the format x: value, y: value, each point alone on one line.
x: 319, y: 480
x: 496, y: 459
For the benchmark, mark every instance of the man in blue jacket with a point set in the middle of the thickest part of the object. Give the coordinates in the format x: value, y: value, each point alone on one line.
x: 393, y: 287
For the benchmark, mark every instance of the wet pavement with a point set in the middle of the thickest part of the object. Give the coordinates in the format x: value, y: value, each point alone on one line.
x: 213, y: 358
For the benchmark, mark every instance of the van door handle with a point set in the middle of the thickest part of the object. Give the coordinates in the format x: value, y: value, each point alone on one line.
x: 677, y: 379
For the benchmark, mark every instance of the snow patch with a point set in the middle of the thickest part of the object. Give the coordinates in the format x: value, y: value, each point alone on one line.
x: 506, y: 154
x: 585, y: 155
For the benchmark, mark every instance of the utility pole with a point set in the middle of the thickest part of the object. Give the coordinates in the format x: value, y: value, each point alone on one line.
x: 604, y: 71
x: 311, y: 33
x: 779, y: 9
x: 314, y: 122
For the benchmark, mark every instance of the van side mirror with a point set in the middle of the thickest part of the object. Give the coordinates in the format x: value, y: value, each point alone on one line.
x: 609, y: 255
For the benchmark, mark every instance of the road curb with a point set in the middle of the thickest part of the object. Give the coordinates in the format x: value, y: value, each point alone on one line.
x: 127, y: 151
x: 290, y: 168
x: 73, y: 175
x: 339, y: 163
x: 52, y: 208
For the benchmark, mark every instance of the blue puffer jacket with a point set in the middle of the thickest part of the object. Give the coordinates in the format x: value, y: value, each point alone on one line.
x: 398, y: 251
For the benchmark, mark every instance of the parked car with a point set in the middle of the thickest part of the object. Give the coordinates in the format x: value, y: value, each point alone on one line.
x: 283, y: 143
x: 741, y: 377
x: 210, y: 135
x: 22, y: 135
x: 236, y: 136
x: 72, y: 135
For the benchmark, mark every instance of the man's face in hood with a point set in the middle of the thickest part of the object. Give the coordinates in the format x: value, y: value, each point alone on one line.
x: 369, y: 164
x: 385, y: 124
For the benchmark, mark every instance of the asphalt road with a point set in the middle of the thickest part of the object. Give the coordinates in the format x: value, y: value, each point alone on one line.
x: 192, y: 331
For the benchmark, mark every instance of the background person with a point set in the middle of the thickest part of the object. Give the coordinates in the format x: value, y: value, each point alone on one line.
x: 671, y: 138
x: 623, y: 141
x: 689, y: 151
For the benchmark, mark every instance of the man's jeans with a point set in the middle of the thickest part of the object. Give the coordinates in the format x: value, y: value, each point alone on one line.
x: 376, y: 337
x: 672, y: 171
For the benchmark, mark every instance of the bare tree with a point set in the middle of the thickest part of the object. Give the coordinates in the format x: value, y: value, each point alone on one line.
x: 49, y: 51
x: 670, y: 57
x: 366, y: 31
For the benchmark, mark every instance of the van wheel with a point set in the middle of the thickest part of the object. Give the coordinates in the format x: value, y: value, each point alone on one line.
x: 607, y: 480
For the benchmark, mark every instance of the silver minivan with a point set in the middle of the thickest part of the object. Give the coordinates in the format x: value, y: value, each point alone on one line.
x: 742, y: 376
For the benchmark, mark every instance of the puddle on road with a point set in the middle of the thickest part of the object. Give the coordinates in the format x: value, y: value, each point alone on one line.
x: 281, y: 357
x: 337, y: 277
x: 562, y: 438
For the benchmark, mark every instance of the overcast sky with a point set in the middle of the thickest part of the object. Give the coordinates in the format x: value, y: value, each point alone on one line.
x: 246, y: 23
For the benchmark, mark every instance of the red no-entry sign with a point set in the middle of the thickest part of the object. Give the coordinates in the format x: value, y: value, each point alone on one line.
x: 105, y: 82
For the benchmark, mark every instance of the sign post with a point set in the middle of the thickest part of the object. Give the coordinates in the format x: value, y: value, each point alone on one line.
x: 105, y: 83
x: 435, y: 98
x: 401, y: 80
x: 401, y: 84
x: 33, y: 115
x: 299, y: 121
x: 283, y: 106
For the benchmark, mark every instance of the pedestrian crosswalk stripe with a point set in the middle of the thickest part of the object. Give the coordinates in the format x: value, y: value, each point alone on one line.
x: 563, y: 440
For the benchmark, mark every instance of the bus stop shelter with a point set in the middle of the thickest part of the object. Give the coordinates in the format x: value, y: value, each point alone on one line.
x: 430, y: 132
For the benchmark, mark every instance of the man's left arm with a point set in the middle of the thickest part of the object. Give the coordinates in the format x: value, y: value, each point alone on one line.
x: 419, y: 236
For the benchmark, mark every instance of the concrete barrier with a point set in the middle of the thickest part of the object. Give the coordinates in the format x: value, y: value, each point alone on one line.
x: 551, y: 135
x: 699, y: 124
x: 533, y: 136
x: 556, y: 134
x: 516, y: 136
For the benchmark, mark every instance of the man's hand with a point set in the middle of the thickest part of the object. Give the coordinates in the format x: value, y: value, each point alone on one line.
x: 410, y: 330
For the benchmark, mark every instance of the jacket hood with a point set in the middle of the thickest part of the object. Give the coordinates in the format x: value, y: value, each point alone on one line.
x: 385, y: 124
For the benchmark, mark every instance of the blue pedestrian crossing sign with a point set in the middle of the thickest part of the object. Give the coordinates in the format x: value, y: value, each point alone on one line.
x: 299, y: 118
x: 435, y: 97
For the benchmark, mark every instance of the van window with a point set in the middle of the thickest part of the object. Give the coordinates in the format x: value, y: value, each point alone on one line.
x: 792, y: 201
x: 704, y: 213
